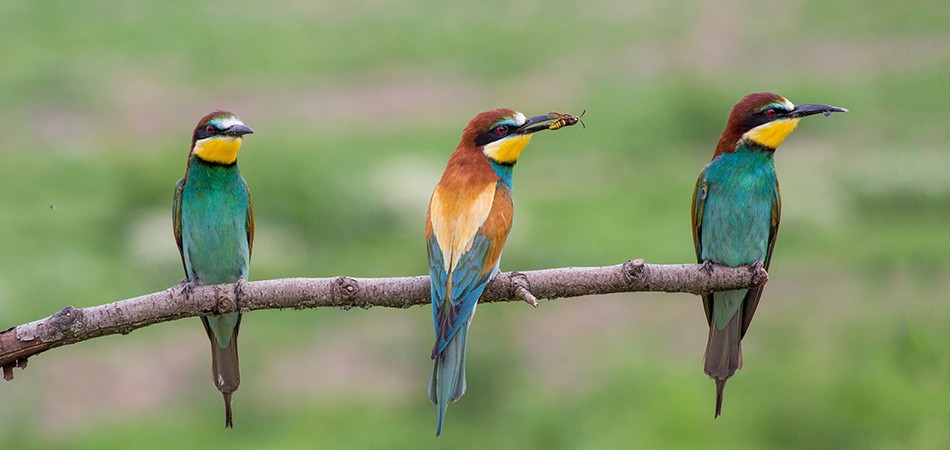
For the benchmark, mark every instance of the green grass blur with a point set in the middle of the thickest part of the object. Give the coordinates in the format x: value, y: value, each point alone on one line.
x: 356, y: 107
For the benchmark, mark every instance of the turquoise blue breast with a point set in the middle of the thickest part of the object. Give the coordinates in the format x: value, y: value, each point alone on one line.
x: 741, y: 187
x: 214, y: 213
x: 503, y: 171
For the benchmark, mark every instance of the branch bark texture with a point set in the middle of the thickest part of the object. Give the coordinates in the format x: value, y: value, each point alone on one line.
x: 73, y: 325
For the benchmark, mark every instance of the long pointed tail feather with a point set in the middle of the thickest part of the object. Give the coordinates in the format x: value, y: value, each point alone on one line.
x: 723, y: 355
x: 720, y: 386
x: 448, y: 375
x: 225, y: 369
x: 228, y: 422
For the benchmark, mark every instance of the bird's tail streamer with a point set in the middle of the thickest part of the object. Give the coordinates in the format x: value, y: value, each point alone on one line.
x: 225, y: 371
x: 448, y: 374
x: 723, y: 355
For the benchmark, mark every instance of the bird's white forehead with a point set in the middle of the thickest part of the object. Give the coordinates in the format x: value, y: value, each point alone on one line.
x: 226, y: 122
x: 519, y: 119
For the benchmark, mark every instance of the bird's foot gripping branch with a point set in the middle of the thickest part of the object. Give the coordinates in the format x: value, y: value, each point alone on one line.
x: 72, y: 325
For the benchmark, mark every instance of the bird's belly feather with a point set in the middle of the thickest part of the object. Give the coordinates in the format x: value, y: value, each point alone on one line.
x: 737, y: 217
x: 214, y: 237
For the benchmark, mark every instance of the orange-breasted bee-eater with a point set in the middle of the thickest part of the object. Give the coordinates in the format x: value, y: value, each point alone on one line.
x: 735, y: 214
x: 469, y: 218
x: 214, y: 226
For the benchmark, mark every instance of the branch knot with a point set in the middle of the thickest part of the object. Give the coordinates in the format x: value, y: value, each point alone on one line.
x: 522, y: 288
x: 633, y: 269
x: 63, y: 320
x: 222, y: 300
x: 347, y: 289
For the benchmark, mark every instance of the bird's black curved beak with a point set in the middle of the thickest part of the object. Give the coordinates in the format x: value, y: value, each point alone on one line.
x: 809, y: 109
x: 238, y: 131
x: 551, y: 121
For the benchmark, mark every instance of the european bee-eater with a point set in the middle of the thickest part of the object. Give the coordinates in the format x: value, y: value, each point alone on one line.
x: 468, y: 221
x: 214, y: 226
x: 736, y: 211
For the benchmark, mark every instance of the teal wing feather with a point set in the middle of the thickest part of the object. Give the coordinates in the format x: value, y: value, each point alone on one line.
x: 438, y: 279
x: 751, y: 301
x: 249, y: 222
x: 176, y: 220
x: 699, y: 207
x: 470, y: 276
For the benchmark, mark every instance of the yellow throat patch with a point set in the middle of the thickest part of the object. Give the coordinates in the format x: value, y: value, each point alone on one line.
x: 771, y: 134
x: 507, y: 151
x: 218, y: 149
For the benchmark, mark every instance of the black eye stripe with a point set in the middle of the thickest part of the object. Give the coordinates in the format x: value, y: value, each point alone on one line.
x: 202, y: 132
x: 493, y: 135
x: 485, y: 139
x: 756, y: 120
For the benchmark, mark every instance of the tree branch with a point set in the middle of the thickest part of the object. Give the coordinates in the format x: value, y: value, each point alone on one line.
x: 73, y: 325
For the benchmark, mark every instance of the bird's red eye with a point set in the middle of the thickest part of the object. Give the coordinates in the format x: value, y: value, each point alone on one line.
x: 501, y: 130
x: 771, y: 112
x: 209, y: 129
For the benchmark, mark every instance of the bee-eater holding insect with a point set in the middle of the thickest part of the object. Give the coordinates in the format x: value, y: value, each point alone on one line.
x: 736, y: 211
x: 214, y: 226
x: 469, y: 218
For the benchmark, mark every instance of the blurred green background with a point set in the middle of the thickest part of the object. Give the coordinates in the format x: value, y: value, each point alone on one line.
x: 356, y: 107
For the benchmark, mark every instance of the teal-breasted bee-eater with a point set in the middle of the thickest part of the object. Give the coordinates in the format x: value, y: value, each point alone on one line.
x: 214, y: 226
x: 736, y: 211
x: 468, y: 221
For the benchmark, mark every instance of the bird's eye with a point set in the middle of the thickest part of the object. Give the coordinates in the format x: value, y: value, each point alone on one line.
x: 501, y: 130
x: 209, y: 129
x: 771, y: 112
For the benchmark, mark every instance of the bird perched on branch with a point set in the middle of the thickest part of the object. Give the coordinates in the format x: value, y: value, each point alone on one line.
x: 468, y: 221
x: 735, y: 214
x: 214, y: 226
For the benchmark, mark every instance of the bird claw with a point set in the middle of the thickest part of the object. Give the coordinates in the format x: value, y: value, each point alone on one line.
x: 185, y: 287
x: 756, y: 267
x: 759, y: 275
x: 707, y: 268
x: 239, y: 289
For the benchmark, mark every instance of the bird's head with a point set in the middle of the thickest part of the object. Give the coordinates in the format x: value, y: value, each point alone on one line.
x: 765, y: 119
x: 501, y: 134
x: 217, y: 138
